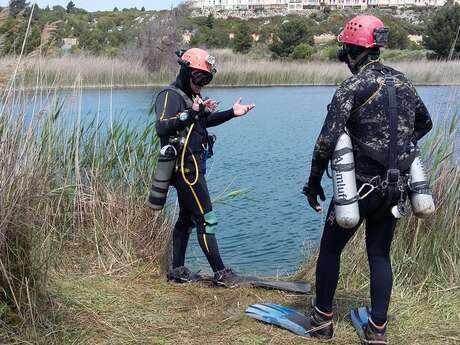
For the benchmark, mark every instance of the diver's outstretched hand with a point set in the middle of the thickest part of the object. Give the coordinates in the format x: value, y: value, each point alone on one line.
x: 241, y: 109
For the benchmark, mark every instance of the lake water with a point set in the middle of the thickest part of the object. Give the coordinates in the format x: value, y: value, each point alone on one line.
x: 269, y: 229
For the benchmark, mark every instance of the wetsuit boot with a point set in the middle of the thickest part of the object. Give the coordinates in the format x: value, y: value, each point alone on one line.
x: 182, y: 274
x: 321, y: 324
x: 375, y: 335
x: 227, y: 278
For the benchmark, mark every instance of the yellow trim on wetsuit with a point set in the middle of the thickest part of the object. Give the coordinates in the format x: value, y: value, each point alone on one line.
x: 205, y: 242
x: 197, y: 200
x: 164, y: 106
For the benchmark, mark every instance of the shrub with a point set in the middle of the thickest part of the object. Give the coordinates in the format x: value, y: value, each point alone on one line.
x: 442, y: 30
x: 243, y: 41
x: 289, y: 35
x: 303, y: 51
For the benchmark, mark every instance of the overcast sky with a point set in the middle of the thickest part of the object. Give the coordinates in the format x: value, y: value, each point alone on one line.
x: 94, y: 5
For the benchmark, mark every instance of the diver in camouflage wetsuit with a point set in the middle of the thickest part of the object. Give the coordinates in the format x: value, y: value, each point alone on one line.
x: 360, y: 106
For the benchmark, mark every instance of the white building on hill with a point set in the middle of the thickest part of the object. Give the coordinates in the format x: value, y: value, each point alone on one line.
x: 297, y: 5
x: 240, y: 4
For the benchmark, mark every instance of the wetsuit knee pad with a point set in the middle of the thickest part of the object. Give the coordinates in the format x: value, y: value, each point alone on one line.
x: 207, y: 224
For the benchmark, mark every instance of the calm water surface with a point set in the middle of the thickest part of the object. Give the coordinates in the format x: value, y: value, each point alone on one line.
x: 269, y: 229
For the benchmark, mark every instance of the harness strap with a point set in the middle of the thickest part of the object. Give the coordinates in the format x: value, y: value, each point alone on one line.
x: 393, y: 173
x: 384, y: 158
x: 343, y: 167
x: 341, y: 152
x: 188, y: 101
x: 393, y: 121
x: 344, y: 202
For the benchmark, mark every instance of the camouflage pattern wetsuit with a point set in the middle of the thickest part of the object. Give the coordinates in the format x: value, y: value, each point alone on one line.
x: 360, y: 104
x: 367, y: 119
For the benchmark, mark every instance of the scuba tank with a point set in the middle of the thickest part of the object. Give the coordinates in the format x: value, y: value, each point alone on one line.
x: 420, y: 194
x: 344, y: 182
x: 162, y: 178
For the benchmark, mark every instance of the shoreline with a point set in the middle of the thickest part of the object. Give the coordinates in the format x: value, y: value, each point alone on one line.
x: 217, y: 86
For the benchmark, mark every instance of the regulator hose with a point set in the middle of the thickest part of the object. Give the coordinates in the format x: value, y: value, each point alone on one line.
x: 182, y: 161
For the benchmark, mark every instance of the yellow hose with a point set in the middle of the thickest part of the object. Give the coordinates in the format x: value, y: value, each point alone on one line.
x: 182, y: 161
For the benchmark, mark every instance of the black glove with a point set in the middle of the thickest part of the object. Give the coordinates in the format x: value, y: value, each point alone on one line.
x: 312, y: 190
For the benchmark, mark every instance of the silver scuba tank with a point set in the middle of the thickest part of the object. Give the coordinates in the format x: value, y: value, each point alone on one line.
x: 344, y: 181
x: 162, y: 178
x: 420, y: 194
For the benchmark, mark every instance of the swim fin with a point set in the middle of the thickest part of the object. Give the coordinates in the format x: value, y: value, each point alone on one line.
x: 280, y: 316
x: 295, y: 287
x: 360, y: 319
x: 255, y: 282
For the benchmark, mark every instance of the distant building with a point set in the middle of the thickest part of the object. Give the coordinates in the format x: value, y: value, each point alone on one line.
x: 415, y: 38
x: 231, y: 5
x: 298, y: 5
x: 187, y: 37
x: 69, y: 43
x: 324, y: 38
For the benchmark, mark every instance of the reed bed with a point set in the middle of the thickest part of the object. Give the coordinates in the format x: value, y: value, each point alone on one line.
x: 238, y: 70
x: 72, y: 194
x: 93, y: 71
x: 233, y: 70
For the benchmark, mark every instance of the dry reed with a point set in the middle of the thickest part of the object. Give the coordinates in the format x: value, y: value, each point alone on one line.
x: 233, y: 70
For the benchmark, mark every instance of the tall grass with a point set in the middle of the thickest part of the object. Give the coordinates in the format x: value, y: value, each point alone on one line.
x: 233, y: 70
x: 69, y: 186
x: 56, y: 72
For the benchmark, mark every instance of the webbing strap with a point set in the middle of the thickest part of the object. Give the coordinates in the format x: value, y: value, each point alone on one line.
x: 188, y: 101
x: 341, y: 152
x: 343, y: 167
x: 344, y: 202
x: 393, y: 122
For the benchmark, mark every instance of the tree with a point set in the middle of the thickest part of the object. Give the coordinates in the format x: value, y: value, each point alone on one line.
x: 58, y: 8
x: 289, y: 35
x: 17, y: 6
x: 302, y: 52
x: 70, y: 7
x: 398, y: 37
x: 442, y: 31
x: 242, y: 42
x: 143, y: 9
x: 115, y: 9
x: 156, y: 41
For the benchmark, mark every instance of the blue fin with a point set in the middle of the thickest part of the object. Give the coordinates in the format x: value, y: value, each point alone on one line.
x: 360, y: 319
x: 280, y: 316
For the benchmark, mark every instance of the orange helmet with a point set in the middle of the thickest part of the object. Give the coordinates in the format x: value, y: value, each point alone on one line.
x: 199, y: 59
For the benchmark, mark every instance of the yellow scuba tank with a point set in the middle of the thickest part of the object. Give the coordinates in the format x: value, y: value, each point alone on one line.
x: 162, y: 178
x: 420, y: 194
x: 344, y: 181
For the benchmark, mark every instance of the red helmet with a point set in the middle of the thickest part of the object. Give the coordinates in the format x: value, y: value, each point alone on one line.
x: 365, y: 31
x: 199, y: 59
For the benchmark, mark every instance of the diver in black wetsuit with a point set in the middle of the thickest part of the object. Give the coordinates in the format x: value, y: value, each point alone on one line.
x: 181, y: 112
x: 360, y: 104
